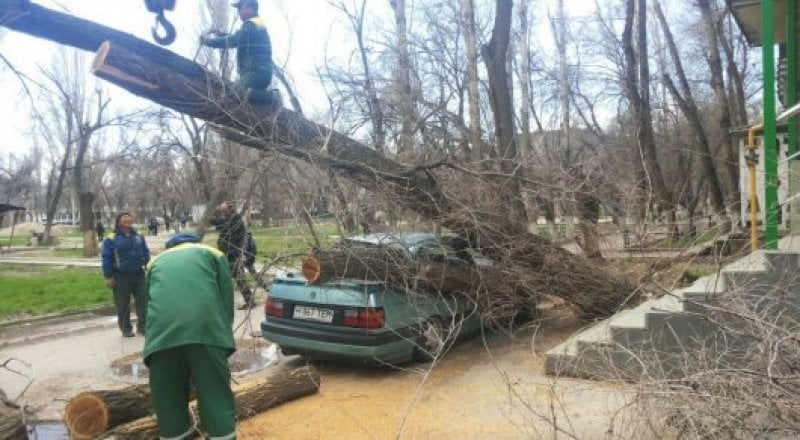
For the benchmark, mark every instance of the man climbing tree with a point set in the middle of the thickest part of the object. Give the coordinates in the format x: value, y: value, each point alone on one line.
x: 253, y: 53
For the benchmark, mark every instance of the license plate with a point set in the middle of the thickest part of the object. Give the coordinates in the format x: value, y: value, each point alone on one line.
x: 313, y: 314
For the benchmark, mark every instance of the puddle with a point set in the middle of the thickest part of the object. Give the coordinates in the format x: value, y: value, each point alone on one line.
x: 47, y: 431
x: 250, y: 356
x: 255, y: 357
x: 130, y: 367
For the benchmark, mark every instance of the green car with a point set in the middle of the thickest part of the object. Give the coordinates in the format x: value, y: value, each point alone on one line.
x: 371, y: 322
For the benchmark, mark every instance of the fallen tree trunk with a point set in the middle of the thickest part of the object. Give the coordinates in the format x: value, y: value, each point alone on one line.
x: 94, y: 412
x: 528, y: 266
x: 12, y: 424
x: 393, y: 267
x: 252, y: 398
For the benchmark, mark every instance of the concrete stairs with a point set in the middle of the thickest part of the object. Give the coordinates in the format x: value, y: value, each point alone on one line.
x: 657, y: 337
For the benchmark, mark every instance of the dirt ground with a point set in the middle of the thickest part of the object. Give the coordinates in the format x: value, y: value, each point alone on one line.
x: 486, y: 387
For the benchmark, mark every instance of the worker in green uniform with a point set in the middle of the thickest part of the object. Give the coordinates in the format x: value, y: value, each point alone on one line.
x: 189, y: 338
x: 253, y: 52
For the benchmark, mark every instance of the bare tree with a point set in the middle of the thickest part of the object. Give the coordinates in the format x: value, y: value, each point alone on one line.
x: 405, y: 98
x: 374, y: 104
x: 473, y: 93
x: 637, y: 88
x: 495, y: 55
x: 686, y: 101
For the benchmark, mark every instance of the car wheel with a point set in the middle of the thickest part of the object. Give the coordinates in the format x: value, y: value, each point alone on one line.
x: 434, y: 337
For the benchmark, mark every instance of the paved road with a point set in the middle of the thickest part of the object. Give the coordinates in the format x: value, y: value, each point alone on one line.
x: 66, y: 356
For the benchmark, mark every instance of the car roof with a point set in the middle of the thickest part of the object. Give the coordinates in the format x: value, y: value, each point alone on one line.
x: 402, y: 238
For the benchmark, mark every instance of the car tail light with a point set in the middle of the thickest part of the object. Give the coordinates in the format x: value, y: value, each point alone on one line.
x: 364, y: 318
x: 273, y: 308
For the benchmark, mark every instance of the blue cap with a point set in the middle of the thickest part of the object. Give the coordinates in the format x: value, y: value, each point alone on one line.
x: 183, y: 237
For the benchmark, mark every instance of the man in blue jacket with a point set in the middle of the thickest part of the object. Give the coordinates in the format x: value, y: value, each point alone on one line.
x: 124, y: 257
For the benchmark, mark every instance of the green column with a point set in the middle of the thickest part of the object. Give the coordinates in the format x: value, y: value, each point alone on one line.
x: 770, y: 147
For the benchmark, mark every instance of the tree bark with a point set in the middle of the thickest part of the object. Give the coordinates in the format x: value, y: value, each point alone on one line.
x: 495, y: 54
x: 85, y: 197
x: 524, y: 81
x: 373, y: 103
x: 721, y: 99
x: 688, y: 106
x: 478, y: 151
x: 94, y: 412
x: 534, y: 265
x: 637, y: 89
x: 405, y: 98
x: 393, y: 267
x: 56, y: 191
x: 252, y: 398
x: 12, y: 426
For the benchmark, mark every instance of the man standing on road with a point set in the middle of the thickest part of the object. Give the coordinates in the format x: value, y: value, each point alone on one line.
x: 253, y: 53
x: 231, y: 241
x: 250, y: 252
x: 189, y: 338
x: 124, y: 256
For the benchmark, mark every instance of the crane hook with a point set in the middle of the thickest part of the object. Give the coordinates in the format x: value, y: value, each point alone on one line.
x: 169, y: 30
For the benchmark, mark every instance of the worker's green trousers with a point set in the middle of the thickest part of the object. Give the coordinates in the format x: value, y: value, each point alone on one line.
x: 173, y: 374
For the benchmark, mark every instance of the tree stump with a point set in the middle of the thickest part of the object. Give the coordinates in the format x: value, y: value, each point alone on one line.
x: 94, y: 412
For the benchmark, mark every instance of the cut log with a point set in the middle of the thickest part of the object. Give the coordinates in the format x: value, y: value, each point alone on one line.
x: 94, y: 412
x: 374, y: 264
x: 12, y: 424
x: 527, y: 266
x: 252, y: 398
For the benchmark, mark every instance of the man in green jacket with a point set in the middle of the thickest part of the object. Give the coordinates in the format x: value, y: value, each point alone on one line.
x: 253, y: 52
x: 189, y: 338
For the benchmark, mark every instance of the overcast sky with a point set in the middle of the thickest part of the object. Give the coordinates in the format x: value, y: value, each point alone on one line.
x: 303, y: 33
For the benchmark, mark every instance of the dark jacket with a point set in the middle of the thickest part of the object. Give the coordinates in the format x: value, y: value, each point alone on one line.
x: 126, y: 254
x: 189, y: 297
x: 250, y: 250
x: 232, y: 232
x: 253, y: 47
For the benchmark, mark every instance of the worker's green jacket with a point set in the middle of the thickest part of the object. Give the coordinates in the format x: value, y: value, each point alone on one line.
x: 190, y: 299
x: 253, y: 47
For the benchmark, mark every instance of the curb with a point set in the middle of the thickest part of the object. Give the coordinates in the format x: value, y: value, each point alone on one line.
x: 98, y: 310
x: 45, y: 336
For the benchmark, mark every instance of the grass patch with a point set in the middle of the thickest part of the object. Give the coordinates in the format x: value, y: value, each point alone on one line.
x: 46, y: 289
x: 286, y: 240
x: 16, y: 240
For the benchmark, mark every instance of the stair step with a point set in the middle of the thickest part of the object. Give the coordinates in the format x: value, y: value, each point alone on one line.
x: 782, y: 260
x: 754, y: 262
x: 665, y: 327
